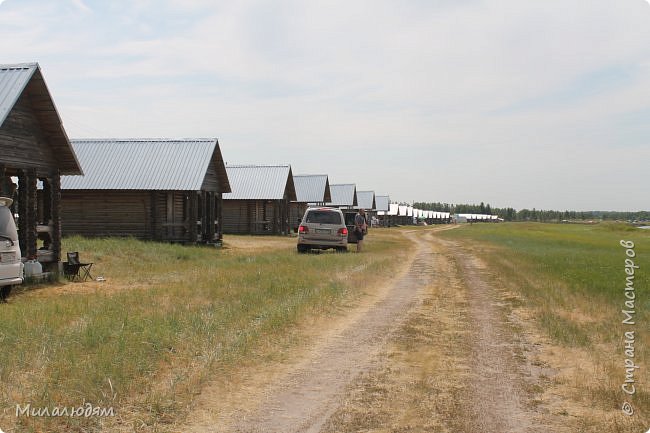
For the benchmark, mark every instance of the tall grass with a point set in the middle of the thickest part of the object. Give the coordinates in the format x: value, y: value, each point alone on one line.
x: 167, y: 318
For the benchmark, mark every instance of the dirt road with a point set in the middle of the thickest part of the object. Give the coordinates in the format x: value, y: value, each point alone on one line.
x: 433, y: 351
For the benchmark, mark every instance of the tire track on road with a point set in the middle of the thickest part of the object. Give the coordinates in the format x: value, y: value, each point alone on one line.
x: 307, y: 397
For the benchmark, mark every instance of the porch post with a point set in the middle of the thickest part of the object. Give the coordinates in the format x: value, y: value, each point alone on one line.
x: 31, y: 213
x: 55, y: 207
x: 22, y: 212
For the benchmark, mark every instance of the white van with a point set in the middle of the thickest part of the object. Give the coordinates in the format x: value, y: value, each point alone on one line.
x: 11, y: 267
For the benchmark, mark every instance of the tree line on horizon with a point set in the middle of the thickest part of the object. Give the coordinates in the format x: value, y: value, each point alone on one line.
x: 540, y: 215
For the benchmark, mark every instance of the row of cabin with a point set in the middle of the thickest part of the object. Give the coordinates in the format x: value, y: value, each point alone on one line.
x: 398, y: 214
x: 176, y: 190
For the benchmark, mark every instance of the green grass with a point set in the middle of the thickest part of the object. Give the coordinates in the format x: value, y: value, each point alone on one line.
x: 576, y: 260
x: 167, y: 318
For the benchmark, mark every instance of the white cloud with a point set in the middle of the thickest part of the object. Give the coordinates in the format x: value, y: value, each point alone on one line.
x: 505, y: 89
x: 81, y: 5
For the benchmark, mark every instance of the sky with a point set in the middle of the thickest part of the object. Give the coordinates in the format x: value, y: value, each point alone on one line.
x: 525, y: 104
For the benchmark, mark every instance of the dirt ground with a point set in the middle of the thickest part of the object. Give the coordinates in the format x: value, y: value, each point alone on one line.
x: 436, y: 350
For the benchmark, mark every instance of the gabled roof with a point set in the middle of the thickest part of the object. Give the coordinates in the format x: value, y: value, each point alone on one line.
x: 343, y: 195
x: 260, y: 182
x: 147, y: 164
x: 383, y: 202
x: 26, y: 78
x: 312, y: 188
x: 366, y: 200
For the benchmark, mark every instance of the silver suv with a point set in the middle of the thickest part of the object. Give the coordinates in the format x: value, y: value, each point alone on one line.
x: 322, y: 228
x: 11, y: 267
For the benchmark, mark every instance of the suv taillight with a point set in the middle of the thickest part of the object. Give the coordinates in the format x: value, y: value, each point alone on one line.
x: 343, y: 231
x: 303, y: 229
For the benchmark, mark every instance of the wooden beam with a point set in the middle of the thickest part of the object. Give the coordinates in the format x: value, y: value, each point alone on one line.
x: 219, y: 205
x: 212, y: 203
x: 22, y: 212
x: 55, y: 205
x: 170, y: 214
x: 31, y: 213
x: 193, y: 216
x: 152, y: 214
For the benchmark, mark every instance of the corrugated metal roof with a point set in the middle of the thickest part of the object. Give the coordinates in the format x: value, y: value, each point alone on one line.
x: 13, y: 80
x: 343, y: 195
x: 312, y: 188
x: 382, y: 202
x: 260, y: 182
x: 142, y: 164
x: 366, y: 200
x: 26, y: 78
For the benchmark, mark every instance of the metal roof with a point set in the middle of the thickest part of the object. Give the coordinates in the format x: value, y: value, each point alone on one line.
x: 260, y: 182
x: 146, y: 164
x: 366, y: 200
x: 383, y: 202
x: 26, y: 78
x: 13, y: 80
x: 471, y: 216
x: 343, y: 195
x: 312, y: 188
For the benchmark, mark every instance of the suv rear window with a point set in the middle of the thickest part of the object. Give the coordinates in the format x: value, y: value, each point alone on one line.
x: 323, y: 217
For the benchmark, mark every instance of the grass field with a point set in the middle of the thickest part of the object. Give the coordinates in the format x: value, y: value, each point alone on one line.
x: 166, y: 320
x: 571, y: 280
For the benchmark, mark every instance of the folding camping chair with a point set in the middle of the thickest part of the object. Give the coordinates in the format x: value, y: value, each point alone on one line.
x: 74, y: 270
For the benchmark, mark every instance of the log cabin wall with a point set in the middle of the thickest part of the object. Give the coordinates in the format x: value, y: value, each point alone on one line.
x: 107, y: 213
x: 22, y: 142
x: 255, y: 216
x: 154, y: 215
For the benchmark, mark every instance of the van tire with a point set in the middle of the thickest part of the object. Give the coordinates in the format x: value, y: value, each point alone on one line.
x: 4, y: 293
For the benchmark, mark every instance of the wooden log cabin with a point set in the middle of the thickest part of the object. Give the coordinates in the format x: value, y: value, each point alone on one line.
x: 259, y: 201
x: 383, y: 207
x: 155, y: 189
x: 344, y: 196
x: 311, y: 190
x: 393, y: 214
x: 366, y: 201
x: 34, y: 149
